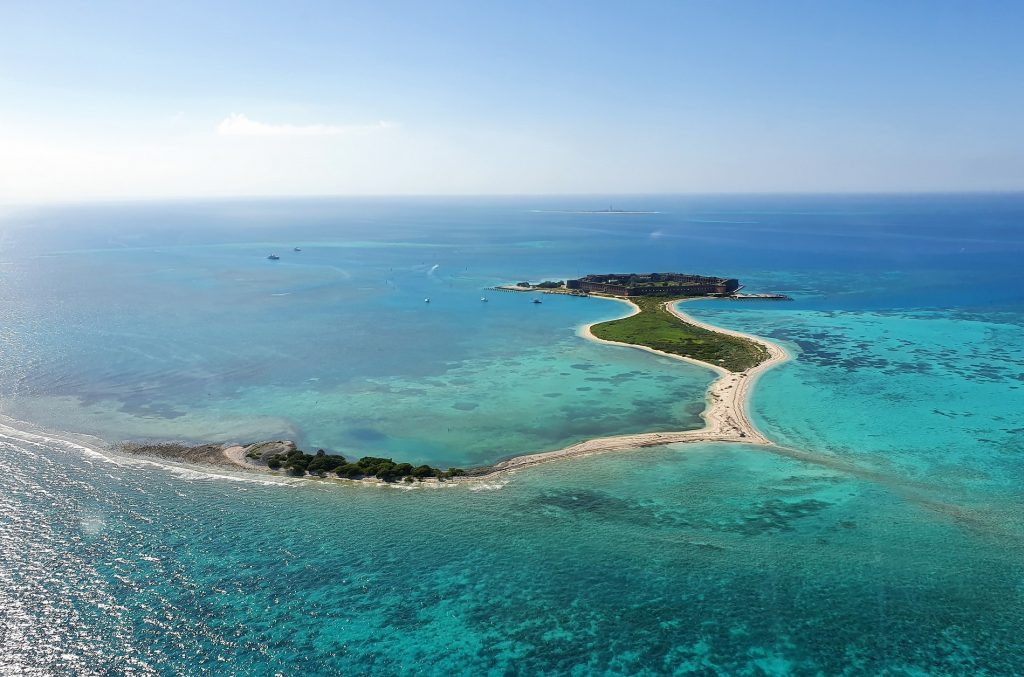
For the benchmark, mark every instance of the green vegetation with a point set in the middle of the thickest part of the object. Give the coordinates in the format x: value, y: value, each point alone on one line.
x: 657, y: 328
x: 546, y: 284
x: 299, y: 463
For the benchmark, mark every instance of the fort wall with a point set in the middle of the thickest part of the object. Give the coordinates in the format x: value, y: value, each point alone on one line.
x: 655, y: 284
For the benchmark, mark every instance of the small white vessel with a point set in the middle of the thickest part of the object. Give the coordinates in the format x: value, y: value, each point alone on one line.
x: 537, y: 301
x: 297, y: 249
x: 484, y: 299
x: 273, y: 257
x: 426, y: 300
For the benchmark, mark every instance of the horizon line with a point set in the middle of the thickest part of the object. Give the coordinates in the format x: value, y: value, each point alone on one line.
x: 434, y: 196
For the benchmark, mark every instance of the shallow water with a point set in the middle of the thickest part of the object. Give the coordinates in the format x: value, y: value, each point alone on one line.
x: 720, y: 558
x: 888, y: 541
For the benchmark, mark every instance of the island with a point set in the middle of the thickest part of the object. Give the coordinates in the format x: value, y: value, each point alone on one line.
x: 655, y: 324
x: 285, y: 457
x: 609, y: 210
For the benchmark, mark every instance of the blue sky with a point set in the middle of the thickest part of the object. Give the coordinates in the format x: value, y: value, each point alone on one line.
x: 131, y: 100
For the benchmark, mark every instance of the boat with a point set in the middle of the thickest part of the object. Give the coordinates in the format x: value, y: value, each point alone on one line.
x: 484, y: 299
x: 273, y: 257
x: 297, y: 249
x: 537, y: 301
x: 426, y: 300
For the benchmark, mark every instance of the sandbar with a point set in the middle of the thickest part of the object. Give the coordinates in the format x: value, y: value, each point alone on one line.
x: 725, y: 412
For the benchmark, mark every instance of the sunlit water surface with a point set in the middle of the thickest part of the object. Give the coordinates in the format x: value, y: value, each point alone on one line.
x: 890, y: 541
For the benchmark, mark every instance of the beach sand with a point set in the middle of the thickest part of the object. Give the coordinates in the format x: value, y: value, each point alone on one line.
x: 725, y: 420
x: 725, y: 414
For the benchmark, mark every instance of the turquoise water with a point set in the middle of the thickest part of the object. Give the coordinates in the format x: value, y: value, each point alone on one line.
x: 930, y: 394
x: 888, y: 542
x: 332, y: 346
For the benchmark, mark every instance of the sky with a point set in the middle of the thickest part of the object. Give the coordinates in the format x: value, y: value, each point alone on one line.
x: 137, y: 100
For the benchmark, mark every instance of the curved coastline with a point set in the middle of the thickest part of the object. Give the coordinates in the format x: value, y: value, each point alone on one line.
x: 725, y: 417
x: 725, y: 412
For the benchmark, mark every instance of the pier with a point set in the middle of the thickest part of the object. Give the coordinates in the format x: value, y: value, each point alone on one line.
x: 510, y: 287
x: 760, y: 297
x: 542, y: 290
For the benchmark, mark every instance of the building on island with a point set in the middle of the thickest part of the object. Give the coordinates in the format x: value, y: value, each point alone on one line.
x: 655, y: 284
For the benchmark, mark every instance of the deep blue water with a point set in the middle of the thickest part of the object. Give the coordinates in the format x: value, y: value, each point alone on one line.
x: 891, y: 543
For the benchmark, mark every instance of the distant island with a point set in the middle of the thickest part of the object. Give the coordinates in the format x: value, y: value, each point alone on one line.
x: 655, y: 325
x: 610, y: 210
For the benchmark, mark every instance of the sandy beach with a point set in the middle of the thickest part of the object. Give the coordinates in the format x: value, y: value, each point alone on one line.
x: 725, y: 414
x: 725, y: 419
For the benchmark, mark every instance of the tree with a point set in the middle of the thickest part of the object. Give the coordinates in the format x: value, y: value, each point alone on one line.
x: 422, y: 471
x: 349, y: 470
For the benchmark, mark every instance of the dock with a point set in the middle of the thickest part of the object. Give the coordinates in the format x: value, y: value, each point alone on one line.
x: 543, y: 290
x: 759, y: 297
x: 511, y: 287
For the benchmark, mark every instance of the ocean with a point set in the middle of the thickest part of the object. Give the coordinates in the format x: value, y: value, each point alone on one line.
x: 883, y: 537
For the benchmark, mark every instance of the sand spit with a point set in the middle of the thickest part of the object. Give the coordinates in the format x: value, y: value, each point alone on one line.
x: 725, y: 420
x: 228, y: 457
x: 725, y: 414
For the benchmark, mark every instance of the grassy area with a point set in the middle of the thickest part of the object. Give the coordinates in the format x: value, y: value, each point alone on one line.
x: 656, y: 328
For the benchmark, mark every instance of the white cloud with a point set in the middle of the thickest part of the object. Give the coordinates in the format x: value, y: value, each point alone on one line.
x: 237, y: 124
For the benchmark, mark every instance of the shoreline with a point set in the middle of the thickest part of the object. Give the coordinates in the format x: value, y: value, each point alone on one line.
x: 725, y: 419
x: 725, y: 411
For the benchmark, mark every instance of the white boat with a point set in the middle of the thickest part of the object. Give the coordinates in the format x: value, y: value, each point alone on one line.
x: 297, y: 249
x: 273, y: 257
x: 537, y: 301
x: 484, y: 299
x: 426, y: 300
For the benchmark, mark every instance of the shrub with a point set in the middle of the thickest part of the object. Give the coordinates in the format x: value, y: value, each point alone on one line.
x: 325, y: 462
x: 350, y: 470
x: 422, y: 471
